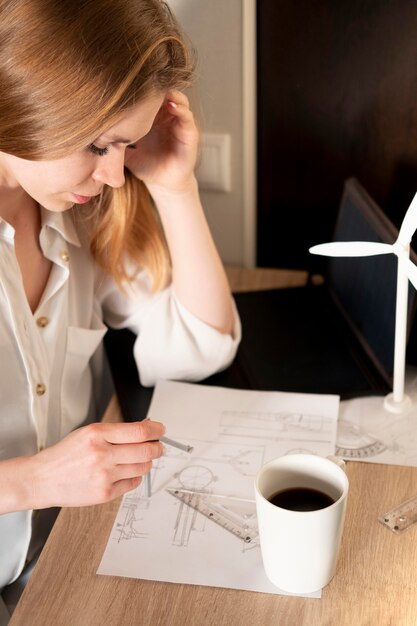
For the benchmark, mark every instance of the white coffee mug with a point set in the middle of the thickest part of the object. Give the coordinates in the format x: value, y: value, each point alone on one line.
x: 299, y: 547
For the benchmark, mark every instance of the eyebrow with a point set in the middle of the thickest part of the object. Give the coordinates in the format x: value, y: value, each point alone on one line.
x: 119, y: 140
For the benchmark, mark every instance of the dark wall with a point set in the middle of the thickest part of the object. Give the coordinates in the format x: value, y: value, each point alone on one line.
x: 337, y: 97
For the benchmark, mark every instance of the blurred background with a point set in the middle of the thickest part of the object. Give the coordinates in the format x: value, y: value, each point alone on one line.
x: 296, y: 97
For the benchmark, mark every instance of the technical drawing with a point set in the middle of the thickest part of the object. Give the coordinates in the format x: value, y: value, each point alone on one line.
x: 135, y: 504
x: 199, y: 526
x: 127, y: 526
x: 278, y: 425
x: 244, y: 458
x: 195, y: 477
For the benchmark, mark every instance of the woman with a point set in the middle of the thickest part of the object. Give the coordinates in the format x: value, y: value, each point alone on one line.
x: 101, y: 223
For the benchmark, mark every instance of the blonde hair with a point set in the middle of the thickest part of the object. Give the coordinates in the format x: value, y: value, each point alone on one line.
x: 68, y: 70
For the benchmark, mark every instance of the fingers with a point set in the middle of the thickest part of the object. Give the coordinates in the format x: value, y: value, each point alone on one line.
x: 132, y: 459
x: 128, y: 477
x: 123, y: 486
x: 177, y: 97
x: 137, y: 453
x: 177, y: 104
x: 133, y: 432
x: 180, y: 110
x: 132, y: 470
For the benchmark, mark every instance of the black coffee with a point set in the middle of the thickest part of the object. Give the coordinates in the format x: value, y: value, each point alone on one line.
x: 301, y: 499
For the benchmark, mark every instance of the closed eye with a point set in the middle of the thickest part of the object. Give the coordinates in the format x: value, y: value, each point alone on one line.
x: 96, y: 150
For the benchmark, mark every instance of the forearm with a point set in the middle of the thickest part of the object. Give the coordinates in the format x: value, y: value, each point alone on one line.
x: 16, y: 492
x: 198, y: 275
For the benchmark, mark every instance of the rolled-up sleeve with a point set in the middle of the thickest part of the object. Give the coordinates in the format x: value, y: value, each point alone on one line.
x: 171, y: 343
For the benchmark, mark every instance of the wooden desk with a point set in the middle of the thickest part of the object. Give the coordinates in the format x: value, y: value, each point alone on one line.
x: 375, y: 584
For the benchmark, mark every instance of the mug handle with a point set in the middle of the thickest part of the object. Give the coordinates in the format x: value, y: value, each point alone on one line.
x: 338, y: 461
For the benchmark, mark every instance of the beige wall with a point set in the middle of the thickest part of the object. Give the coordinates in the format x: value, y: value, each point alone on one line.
x: 215, y: 28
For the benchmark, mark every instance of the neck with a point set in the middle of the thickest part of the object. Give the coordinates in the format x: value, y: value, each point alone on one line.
x: 14, y: 201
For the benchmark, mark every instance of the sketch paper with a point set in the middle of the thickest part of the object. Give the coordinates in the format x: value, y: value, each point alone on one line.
x: 172, y: 536
x: 368, y: 432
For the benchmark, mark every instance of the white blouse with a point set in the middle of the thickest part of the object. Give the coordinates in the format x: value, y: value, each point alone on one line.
x: 51, y: 361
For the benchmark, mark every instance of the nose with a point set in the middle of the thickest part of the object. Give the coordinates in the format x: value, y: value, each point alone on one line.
x: 110, y: 169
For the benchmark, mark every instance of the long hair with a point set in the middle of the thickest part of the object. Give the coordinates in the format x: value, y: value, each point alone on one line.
x: 68, y: 70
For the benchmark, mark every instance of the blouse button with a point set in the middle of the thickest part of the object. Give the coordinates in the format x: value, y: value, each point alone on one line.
x: 40, y: 389
x: 65, y: 256
x: 42, y: 321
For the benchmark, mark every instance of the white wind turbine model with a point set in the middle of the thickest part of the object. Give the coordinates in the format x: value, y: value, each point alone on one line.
x: 396, y: 401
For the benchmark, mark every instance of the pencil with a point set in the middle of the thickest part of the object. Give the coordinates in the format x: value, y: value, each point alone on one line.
x: 176, y: 444
x: 169, y: 442
x: 148, y: 489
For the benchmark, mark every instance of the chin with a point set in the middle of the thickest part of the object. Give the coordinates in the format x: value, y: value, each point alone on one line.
x: 57, y: 206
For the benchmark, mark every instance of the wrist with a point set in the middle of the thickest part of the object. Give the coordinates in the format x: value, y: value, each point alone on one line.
x: 16, y: 485
x: 187, y: 189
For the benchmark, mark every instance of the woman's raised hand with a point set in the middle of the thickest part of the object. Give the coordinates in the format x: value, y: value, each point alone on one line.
x: 165, y: 158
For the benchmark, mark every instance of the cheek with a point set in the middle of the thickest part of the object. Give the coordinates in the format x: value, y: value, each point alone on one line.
x: 32, y: 177
x: 61, y: 176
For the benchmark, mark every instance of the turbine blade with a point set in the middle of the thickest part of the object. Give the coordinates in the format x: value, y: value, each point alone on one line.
x: 409, y: 224
x: 352, y: 248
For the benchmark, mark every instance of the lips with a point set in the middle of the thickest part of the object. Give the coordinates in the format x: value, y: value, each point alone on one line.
x: 81, y: 199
